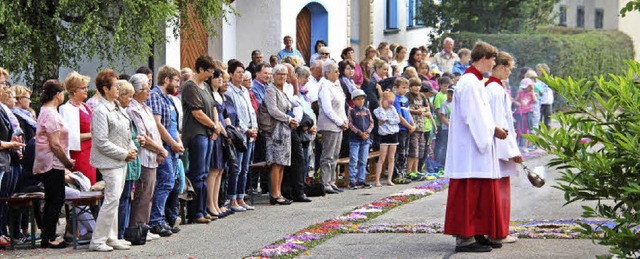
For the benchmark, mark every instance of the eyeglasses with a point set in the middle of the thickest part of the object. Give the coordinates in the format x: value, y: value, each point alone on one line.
x: 325, y: 54
x: 281, y: 74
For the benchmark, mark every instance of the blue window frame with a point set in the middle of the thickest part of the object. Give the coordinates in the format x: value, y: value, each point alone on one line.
x: 392, y: 14
x: 413, y: 7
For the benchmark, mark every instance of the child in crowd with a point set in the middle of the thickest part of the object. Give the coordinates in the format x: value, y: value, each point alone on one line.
x: 441, y: 143
x: 418, y: 106
x: 401, y: 103
x: 426, y: 161
x: 444, y: 113
x: 524, y: 102
x: 388, y: 120
x: 361, y: 125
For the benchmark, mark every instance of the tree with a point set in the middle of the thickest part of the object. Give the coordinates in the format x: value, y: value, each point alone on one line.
x: 39, y: 37
x: 485, y: 16
x: 630, y: 7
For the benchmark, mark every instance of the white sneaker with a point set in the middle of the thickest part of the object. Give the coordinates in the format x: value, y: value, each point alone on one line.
x: 117, y: 245
x: 100, y: 248
x: 506, y: 240
x: 124, y: 242
x: 152, y: 235
x: 248, y: 207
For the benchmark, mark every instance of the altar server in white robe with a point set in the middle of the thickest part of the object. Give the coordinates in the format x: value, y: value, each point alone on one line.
x: 473, y: 210
x: 506, y: 149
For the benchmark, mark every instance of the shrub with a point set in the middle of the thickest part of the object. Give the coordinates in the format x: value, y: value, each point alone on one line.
x: 597, y: 150
x: 575, y: 53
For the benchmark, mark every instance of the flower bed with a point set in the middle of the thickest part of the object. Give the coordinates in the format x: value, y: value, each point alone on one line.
x: 314, y: 235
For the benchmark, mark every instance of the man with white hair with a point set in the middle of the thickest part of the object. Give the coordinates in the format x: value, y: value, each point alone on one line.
x: 315, y: 80
x: 446, y: 58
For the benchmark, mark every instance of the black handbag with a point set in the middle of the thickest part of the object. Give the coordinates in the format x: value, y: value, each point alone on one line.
x: 136, y: 235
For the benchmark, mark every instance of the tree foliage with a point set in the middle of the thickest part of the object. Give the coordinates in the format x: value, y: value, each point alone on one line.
x: 597, y: 150
x: 631, y: 6
x: 485, y: 16
x: 38, y: 37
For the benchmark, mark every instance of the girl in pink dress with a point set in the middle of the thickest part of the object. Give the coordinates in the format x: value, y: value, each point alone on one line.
x: 524, y: 111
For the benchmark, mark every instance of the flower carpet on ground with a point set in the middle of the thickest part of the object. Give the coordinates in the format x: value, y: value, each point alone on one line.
x: 535, y: 229
x: 350, y: 222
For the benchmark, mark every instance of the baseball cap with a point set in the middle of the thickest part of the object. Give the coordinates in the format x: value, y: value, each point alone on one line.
x: 356, y: 93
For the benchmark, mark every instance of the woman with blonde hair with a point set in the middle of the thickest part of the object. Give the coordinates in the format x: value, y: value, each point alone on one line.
x: 77, y: 115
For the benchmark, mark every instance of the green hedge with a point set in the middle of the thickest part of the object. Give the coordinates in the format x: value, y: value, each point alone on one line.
x: 576, y: 54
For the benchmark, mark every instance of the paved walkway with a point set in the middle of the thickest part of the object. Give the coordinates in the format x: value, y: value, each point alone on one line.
x: 240, y: 235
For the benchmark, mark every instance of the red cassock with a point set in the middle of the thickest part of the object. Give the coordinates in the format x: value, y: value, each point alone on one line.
x: 478, y: 206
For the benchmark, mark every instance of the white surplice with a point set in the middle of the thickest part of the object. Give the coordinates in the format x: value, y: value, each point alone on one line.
x: 507, y: 148
x: 470, y: 150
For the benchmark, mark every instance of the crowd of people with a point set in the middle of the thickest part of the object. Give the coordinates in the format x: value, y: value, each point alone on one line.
x: 199, y: 129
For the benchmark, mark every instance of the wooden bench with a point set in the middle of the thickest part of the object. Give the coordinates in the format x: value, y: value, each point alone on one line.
x: 84, y: 202
x: 22, y: 202
x: 344, y: 162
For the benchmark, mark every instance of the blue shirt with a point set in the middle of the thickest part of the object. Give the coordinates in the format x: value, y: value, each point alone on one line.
x: 460, y: 68
x: 285, y: 53
x: 162, y: 105
x: 258, y: 90
x: 402, y: 106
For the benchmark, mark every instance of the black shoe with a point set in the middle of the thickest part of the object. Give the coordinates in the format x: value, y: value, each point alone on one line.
x: 280, y: 201
x: 335, y: 188
x: 330, y: 190
x: 174, y: 230
x: 46, y: 244
x: 364, y: 185
x: 473, y: 248
x: 161, y: 231
x: 482, y: 240
x: 302, y: 198
x: 353, y: 186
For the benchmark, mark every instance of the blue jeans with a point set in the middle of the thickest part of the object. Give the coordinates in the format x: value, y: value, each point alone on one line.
x: 171, y: 208
x: 200, y: 148
x: 165, y: 179
x: 238, y: 179
x: 124, y: 208
x: 440, y: 151
x: 358, y: 155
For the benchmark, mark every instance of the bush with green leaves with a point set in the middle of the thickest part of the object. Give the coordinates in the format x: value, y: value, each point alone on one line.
x: 597, y: 152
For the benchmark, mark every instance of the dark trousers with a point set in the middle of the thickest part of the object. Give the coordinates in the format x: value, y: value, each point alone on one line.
x: 401, y: 154
x: 9, y: 182
x: 124, y: 208
x: 53, y: 200
x: 259, y: 156
x: 545, y: 111
x: 294, y: 175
